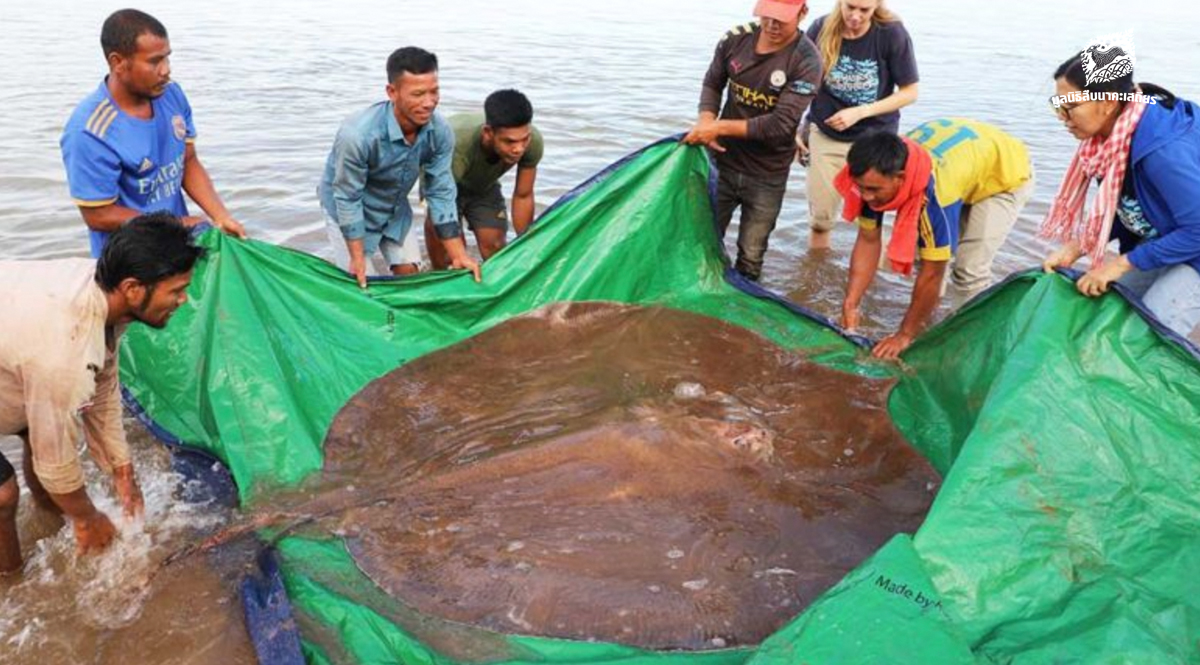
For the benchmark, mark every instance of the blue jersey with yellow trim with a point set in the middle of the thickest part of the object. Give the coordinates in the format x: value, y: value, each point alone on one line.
x: 972, y: 161
x: 112, y: 157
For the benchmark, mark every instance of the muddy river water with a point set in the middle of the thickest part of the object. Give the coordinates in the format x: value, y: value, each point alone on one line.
x: 124, y: 606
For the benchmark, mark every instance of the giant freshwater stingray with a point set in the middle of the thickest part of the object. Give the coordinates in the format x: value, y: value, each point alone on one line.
x: 643, y: 476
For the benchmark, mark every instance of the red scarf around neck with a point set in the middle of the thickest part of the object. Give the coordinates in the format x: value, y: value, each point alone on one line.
x: 908, y: 202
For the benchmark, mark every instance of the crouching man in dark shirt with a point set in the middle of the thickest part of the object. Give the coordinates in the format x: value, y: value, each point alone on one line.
x: 771, y: 71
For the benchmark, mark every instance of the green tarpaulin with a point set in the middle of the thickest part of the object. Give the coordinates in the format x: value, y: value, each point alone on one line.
x: 1068, y: 430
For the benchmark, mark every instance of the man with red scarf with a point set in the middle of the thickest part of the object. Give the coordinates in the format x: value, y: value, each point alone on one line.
x: 956, y: 187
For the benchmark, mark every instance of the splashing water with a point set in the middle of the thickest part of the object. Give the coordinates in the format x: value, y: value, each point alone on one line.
x: 66, y: 606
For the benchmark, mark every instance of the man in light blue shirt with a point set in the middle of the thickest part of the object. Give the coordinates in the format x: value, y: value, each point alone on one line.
x: 376, y: 159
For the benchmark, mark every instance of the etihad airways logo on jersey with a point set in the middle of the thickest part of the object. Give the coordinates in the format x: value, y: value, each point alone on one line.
x: 755, y: 99
x: 163, y: 183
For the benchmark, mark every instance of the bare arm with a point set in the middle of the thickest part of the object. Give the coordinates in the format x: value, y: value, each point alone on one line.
x: 456, y: 249
x: 76, y: 505
x: 93, y: 530
x: 109, y: 218
x: 894, y: 102
x: 105, y: 436
x: 358, y: 260
x: 926, y: 294
x: 522, y: 203
x: 864, y: 261
x: 848, y: 117
x: 199, y: 187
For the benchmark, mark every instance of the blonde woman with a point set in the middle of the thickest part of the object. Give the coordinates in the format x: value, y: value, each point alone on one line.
x: 870, y: 74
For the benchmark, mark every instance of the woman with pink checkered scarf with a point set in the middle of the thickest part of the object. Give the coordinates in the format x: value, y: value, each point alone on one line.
x: 1141, y: 146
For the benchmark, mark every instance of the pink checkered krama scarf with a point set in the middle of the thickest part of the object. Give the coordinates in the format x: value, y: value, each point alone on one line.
x: 1097, y: 157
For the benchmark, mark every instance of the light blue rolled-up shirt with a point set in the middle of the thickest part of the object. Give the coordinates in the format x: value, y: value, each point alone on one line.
x: 372, y: 168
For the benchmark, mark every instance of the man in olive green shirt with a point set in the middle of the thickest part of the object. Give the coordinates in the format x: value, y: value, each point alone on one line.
x: 486, y: 146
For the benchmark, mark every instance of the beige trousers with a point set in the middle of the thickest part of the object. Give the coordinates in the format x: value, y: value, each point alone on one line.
x: 983, y: 229
x: 826, y: 159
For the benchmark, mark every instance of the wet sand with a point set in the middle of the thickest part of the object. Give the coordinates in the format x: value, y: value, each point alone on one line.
x: 643, y: 476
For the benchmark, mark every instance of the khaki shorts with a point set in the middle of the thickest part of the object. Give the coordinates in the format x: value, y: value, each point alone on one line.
x: 826, y: 158
x: 394, y: 253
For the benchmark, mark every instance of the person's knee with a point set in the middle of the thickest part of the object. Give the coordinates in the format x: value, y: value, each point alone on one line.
x: 965, y: 282
x: 755, y: 234
x: 960, y: 292
x: 490, y: 245
x: 761, y: 208
x: 406, y: 269
x: 966, y: 286
x: 969, y: 274
x: 1174, y: 298
x: 488, y: 249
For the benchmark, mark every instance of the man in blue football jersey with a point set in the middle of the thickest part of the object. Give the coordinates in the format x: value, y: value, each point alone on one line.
x: 128, y: 147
